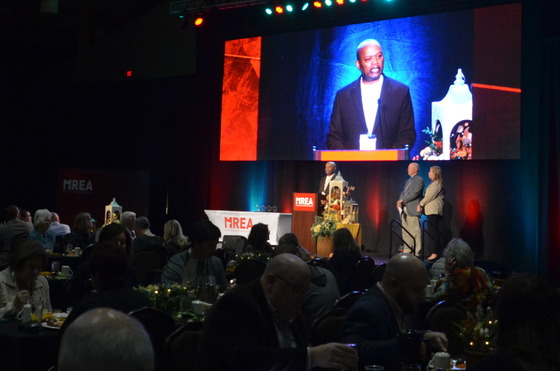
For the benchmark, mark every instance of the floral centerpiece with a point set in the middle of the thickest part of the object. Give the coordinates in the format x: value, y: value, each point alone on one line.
x: 478, y: 331
x: 434, y: 148
x: 262, y: 256
x: 323, y: 227
x: 175, y: 299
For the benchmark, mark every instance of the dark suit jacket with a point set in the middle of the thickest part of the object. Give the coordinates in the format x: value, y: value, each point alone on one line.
x: 322, y: 182
x: 371, y: 323
x: 239, y: 334
x: 412, y: 194
x: 394, y: 124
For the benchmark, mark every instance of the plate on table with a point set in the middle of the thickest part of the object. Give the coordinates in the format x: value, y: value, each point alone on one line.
x: 54, y: 321
x: 46, y: 325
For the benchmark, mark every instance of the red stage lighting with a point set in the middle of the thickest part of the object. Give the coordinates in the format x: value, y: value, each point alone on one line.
x: 317, y: 4
x: 278, y: 9
x: 198, y: 21
x: 340, y: 2
x: 129, y: 73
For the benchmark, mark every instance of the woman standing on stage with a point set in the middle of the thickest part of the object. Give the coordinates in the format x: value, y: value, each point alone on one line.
x: 432, y: 206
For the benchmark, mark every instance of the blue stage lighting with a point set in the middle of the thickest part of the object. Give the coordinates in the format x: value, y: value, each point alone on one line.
x: 328, y: 2
x: 289, y: 8
x: 268, y: 11
x: 305, y: 6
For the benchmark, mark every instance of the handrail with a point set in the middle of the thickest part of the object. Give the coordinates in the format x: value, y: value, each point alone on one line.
x: 394, y: 232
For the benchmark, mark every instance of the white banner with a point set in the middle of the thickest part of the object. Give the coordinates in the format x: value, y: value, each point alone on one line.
x: 239, y: 223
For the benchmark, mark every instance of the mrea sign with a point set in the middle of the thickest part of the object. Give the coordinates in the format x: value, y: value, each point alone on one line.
x: 238, y: 223
x: 77, y: 185
x: 305, y: 201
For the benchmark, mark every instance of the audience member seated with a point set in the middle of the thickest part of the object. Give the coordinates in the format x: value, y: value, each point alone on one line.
x: 174, y: 240
x: 346, y: 254
x: 292, y: 240
x: 387, y: 309
x: 197, y: 265
x: 528, y: 327
x: 107, y: 266
x: 258, y: 326
x: 145, y: 240
x: 257, y: 241
x: 464, y: 284
x: 25, y: 216
x: 105, y: 339
x: 21, y: 283
x: 323, y: 289
x: 12, y: 228
x: 127, y: 220
x: 82, y: 231
x: 40, y: 232
x: 79, y: 285
x: 56, y: 227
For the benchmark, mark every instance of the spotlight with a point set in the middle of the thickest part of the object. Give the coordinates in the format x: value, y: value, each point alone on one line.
x: 305, y: 6
x: 198, y: 21
x: 289, y: 8
x: 340, y: 2
x: 278, y: 9
x: 328, y: 2
x: 268, y: 11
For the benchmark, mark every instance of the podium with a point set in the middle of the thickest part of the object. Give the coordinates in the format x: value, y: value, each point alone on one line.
x: 304, y: 210
x: 357, y: 155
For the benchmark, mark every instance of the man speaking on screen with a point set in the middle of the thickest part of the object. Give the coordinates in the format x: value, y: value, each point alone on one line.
x: 374, y: 110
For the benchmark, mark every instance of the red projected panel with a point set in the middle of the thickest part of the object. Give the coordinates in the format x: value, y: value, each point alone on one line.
x: 240, y: 97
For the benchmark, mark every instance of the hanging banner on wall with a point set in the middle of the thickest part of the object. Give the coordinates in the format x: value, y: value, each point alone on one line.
x: 81, y: 190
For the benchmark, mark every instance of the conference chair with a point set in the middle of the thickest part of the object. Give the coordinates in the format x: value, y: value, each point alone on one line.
x: 158, y: 325
x: 181, y: 346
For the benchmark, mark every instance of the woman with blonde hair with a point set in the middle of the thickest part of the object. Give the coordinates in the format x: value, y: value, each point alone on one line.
x: 174, y: 240
x: 432, y: 206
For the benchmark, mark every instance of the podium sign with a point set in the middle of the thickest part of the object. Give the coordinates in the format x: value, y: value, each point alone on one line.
x: 304, y: 209
x: 305, y: 202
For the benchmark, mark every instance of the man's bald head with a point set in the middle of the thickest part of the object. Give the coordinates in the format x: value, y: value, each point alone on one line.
x: 366, y: 42
x: 285, y: 282
x: 105, y: 339
x: 405, y: 280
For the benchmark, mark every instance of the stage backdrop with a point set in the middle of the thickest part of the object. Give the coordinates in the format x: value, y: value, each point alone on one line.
x: 79, y: 190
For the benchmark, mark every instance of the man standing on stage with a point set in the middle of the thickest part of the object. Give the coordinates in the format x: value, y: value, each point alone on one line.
x: 330, y: 174
x: 374, y: 104
x: 407, y: 205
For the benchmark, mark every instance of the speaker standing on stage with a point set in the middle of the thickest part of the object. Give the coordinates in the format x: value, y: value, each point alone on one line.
x: 330, y: 174
x: 408, y: 209
x: 432, y: 205
x: 374, y: 104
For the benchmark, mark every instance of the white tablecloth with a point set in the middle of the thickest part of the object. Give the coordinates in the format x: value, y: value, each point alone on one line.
x: 239, y: 223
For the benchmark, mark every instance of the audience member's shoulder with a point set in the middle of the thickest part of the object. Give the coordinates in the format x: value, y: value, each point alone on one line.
x: 179, y: 258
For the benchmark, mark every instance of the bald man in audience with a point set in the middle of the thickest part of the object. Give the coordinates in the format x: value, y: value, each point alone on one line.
x: 259, y: 326
x: 387, y: 309
x: 105, y: 339
x: 57, y: 228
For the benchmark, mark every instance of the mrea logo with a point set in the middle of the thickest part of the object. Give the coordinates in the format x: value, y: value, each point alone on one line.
x: 305, y: 201
x: 76, y: 185
x: 238, y: 223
